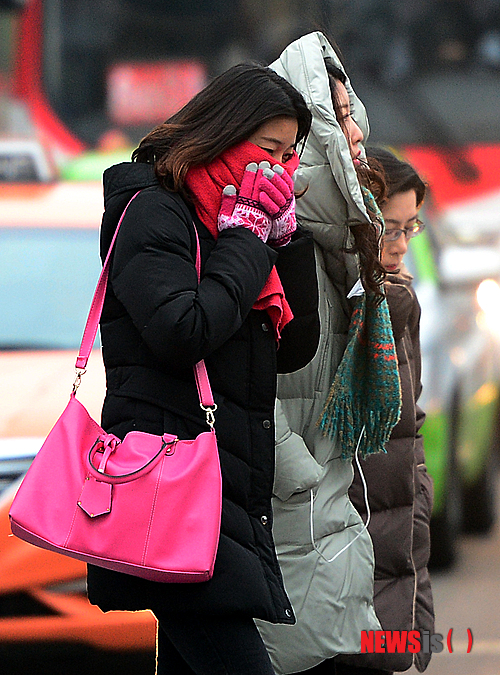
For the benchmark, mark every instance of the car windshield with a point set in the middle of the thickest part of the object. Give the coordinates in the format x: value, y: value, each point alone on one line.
x: 47, y: 277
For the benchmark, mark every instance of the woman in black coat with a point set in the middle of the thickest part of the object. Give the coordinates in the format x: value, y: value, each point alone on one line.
x: 158, y: 322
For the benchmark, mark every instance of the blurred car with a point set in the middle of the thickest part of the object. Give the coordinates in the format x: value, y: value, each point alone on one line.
x: 458, y: 287
x: 24, y: 160
x: 49, y: 266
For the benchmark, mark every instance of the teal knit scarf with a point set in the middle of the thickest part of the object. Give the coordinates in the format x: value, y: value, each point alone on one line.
x: 364, y: 403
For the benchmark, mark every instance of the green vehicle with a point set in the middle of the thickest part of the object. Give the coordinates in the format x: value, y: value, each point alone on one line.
x: 460, y: 298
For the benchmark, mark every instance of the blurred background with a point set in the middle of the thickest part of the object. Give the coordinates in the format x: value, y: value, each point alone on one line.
x: 81, y: 81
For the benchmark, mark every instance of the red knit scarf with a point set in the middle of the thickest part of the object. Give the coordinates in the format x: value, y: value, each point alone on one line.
x: 206, y: 183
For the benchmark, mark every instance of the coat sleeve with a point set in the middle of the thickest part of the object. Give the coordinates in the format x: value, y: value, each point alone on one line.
x: 296, y: 267
x: 414, y: 328
x: 296, y: 469
x: 154, y: 276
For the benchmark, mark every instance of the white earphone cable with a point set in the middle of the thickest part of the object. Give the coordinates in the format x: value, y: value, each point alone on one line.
x: 368, y: 513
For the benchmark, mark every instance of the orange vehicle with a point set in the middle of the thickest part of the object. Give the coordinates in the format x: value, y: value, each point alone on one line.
x: 48, y: 267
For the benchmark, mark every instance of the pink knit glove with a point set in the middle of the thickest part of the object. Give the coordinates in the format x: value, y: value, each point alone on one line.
x: 243, y: 209
x: 277, y: 196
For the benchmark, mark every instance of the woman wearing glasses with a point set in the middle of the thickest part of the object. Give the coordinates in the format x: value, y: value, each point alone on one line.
x: 399, y: 487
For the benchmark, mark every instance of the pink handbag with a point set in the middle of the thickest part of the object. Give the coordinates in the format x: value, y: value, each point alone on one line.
x: 149, y: 505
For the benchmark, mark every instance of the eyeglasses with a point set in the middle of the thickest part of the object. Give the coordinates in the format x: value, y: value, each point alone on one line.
x: 409, y: 232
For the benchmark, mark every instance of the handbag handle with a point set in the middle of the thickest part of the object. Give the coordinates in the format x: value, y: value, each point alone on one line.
x: 100, y: 474
x: 89, y: 334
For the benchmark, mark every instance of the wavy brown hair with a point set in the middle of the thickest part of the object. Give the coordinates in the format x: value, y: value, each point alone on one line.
x: 226, y: 112
x: 366, y: 236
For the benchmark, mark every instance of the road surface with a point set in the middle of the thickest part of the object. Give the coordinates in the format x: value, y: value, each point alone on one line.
x: 468, y: 597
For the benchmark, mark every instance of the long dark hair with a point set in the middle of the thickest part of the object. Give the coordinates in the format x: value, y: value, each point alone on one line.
x: 366, y: 237
x: 399, y: 175
x: 227, y: 111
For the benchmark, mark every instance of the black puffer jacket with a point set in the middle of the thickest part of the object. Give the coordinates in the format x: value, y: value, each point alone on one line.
x: 400, y: 498
x: 156, y: 324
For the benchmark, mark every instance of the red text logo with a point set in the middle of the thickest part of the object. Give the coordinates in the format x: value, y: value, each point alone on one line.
x: 400, y: 641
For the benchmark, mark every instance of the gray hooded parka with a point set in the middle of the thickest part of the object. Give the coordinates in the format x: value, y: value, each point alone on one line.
x: 314, y: 520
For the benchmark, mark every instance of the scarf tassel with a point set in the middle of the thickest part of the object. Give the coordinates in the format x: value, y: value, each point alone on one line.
x: 337, y: 421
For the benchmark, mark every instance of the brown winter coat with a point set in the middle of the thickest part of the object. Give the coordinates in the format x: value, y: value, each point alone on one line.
x: 400, y: 498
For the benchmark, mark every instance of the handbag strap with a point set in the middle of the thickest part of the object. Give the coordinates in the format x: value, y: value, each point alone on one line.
x: 90, y: 331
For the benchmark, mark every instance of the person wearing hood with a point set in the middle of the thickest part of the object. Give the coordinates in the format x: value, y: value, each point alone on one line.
x: 202, y: 172
x: 344, y: 403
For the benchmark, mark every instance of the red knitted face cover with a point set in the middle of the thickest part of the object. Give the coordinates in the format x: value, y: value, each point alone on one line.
x: 206, y: 184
